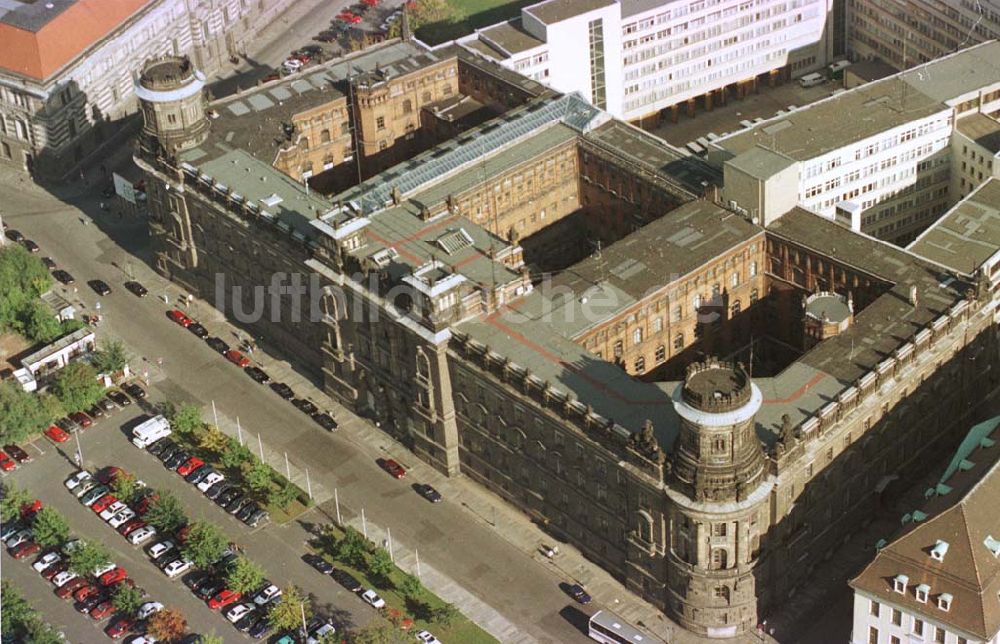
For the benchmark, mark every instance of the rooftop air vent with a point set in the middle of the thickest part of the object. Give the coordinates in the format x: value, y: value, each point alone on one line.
x: 271, y: 200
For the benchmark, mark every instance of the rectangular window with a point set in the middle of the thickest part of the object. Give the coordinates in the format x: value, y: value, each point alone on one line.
x: 380, y: 122
x: 897, y: 617
x: 872, y: 635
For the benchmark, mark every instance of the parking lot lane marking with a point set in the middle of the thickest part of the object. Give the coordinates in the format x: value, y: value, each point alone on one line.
x: 34, y: 444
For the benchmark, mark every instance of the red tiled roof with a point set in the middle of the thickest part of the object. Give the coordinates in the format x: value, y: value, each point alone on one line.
x: 42, y: 53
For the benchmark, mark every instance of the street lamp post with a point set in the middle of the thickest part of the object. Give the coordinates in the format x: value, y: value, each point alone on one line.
x: 79, y: 449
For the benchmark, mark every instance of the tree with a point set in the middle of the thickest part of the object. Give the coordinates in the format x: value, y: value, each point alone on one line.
x: 211, y: 638
x: 410, y: 586
x: 126, y: 600
x: 165, y: 513
x: 375, y: 633
x: 352, y: 547
x: 40, y: 632
x: 424, y: 13
x: 282, y: 495
x: 244, y: 576
x: 76, y: 386
x: 167, y: 625
x: 125, y: 487
x: 235, y: 455
x: 22, y: 274
x: 205, y: 544
x: 213, y: 440
x: 22, y: 414
x: 50, y: 528
x: 258, y: 477
x: 112, y: 357
x: 445, y: 614
x: 88, y: 557
x: 17, y: 612
x: 13, y: 499
x: 286, y: 615
x: 186, y: 419
x: 37, y: 322
x: 380, y: 565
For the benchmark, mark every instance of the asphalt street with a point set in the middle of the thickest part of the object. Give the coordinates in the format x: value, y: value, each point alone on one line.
x: 523, y: 593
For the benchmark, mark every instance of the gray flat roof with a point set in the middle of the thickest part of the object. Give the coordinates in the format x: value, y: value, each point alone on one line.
x: 510, y: 37
x: 819, y: 128
x: 982, y: 129
x: 553, y: 11
x: 32, y: 15
x: 761, y: 163
x: 949, y: 77
x: 968, y: 234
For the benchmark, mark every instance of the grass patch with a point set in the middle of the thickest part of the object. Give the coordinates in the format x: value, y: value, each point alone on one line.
x: 461, y: 628
x: 469, y: 16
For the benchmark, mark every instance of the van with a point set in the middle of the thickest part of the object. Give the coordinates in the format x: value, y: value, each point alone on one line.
x: 839, y: 66
x: 811, y: 80
x: 150, y: 431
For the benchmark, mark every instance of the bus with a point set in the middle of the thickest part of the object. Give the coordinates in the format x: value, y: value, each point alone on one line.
x: 609, y: 628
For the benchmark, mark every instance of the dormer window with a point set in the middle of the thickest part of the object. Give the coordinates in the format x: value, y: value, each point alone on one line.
x: 944, y: 601
x: 993, y: 545
x: 939, y: 550
x: 899, y: 583
x: 923, y: 590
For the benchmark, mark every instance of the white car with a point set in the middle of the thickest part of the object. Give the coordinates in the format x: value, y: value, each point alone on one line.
x: 71, y: 545
x: 317, y: 635
x: 178, y: 567
x: 121, y: 518
x: 160, y: 548
x: 147, y: 609
x: 267, y: 595
x: 143, y: 639
x: 292, y: 65
x: 210, y: 480
x: 142, y: 535
x: 106, y: 567
x: 371, y: 597
x: 80, y: 477
x: 238, y: 612
x: 85, y: 487
x: 112, y: 510
x: 45, y: 561
x: 19, y: 537
x: 427, y: 637
x: 63, y: 578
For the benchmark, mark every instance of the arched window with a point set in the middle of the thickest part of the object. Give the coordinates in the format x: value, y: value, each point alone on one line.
x: 304, y: 142
x: 678, y: 341
x: 324, y: 136
x: 644, y: 526
x: 637, y: 336
x: 753, y: 269
x: 423, y: 364
x: 407, y: 106
x: 426, y: 98
x: 640, y: 364
x: 754, y: 296
x: 661, y: 354
x: 719, y: 559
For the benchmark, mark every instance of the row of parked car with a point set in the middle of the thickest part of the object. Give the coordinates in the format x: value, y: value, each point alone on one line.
x: 257, y: 374
x: 91, y: 593
x: 62, y: 429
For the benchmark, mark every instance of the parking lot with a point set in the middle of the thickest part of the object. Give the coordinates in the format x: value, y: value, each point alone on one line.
x: 278, y: 549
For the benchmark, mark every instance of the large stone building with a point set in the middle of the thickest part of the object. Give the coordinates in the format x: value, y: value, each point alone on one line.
x: 592, y: 400
x: 67, y: 66
x: 905, y: 33
x: 637, y: 58
x: 922, y: 140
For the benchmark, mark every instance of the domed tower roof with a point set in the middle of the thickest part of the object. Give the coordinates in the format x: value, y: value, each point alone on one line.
x: 718, y: 456
x: 169, y: 78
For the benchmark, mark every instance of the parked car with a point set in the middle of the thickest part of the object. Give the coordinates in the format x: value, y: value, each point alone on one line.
x: 392, y: 467
x: 119, y: 627
x: 93, y: 495
x: 112, y: 510
x: 142, y: 535
x: 210, y: 589
x: 371, y: 598
x: 160, y: 548
x: 320, y: 634
x: 156, y: 448
x: 17, y: 453
x: 257, y: 375
x: 227, y: 496
x: 427, y: 637
x: 304, y: 406
x: 177, y: 567
x: 577, y: 592
x: 134, y: 390
x: 57, y: 434
x: 148, y: 609
x: 131, y: 526
x: 46, y: 560
x: 189, y: 465
x: 266, y: 594
x: 178, y: 458
x: 218, y: 488
x: 282, y: 390
x: 81, y: 419
x: 346, y: 580
x: 7, y: 464
x: 428, y: 492
x: 260, y: 627
x: 92, y: 600
x: 49, y: 263
x: 180, y: 318
x: 31, y: 246
x: 100, y: 287
x: 107, y: 405
x: 113, y: 576
x: 107, y: 475
x: 239, y: 611
x: 198, y: 330
x: 136, y: 289
x: 217, y: 344
x: 25, y: 549
x: 64, y: 578
x: 66, y: 590
x: 224, y: 598
x: 325, y: 421
x: 237, y: 358
x: 49, y: 573
x: 121, y: 518
x: 119, y: 398
x: 210, y: 480
x: 102, y: 504
x: 237, y: 504
x: 77, y: 479
x: 15, y: 235
x: 319, y: 563
x: 102, y: 610
x: 63, y: 277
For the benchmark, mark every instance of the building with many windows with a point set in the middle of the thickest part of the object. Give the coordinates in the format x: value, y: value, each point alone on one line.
x: 698, y: 402
x: 906, y: 33
x: 67, y: 66
x: 920, y: 141
x: 637, y: 58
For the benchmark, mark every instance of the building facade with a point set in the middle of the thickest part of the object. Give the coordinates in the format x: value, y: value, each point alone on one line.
x: 906, y: 33
x: 920, y: 146
x: 66, y: 69
x: 637, y: 58
x: 711, y: 494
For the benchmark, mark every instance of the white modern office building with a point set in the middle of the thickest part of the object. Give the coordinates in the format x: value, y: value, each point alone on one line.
x: 635, y: 58
x: 886, y: 158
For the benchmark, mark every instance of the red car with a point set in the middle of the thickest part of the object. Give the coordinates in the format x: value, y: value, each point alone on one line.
x: 57, y: 434
x: 237, y: 358
x: 119, y: 627
x: 355, y: 20
x: 392, y: 467
x: 224, y: 598
x: 142, y: 507
x: 131, y: 526
x: 64, y: 591
x: 108, y: 474
x: 303, y: 58
x: 29, y: 509
x: 6, y: 463
x: 54, y: 570
x: 190, y: 465
x: 25, y: 549
x: 345, y: 16
x: 102, y: 610
x: 81, y: 419
x: 101, y: 504
x: 113, y: 576
x: 85, y: 592
x: 180, y: 318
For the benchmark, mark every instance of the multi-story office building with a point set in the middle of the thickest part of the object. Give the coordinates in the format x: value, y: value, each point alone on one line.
x: 706, y: 486
x: 938, y: 580
x: 636, y: 58
x: 905, y: 33
x: 67, y: 66
x: 920, y: 140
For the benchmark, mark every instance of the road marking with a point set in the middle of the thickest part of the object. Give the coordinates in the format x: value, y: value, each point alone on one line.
x: 39, y: 449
